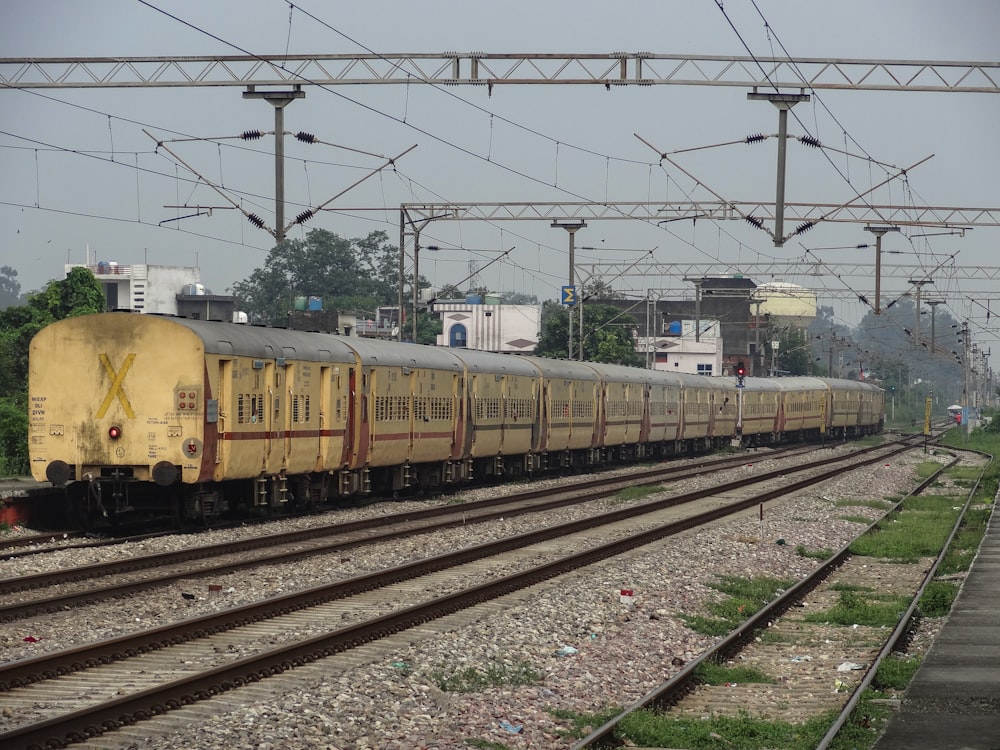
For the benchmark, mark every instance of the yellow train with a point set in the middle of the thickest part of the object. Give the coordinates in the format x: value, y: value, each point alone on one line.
x: 158, y: 415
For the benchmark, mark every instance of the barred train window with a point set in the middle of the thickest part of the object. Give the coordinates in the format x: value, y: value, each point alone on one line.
x: 239, y: 409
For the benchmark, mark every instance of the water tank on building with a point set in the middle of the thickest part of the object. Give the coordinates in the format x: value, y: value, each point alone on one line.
x: 103, y: 266
x: 240, y: 317
x: 315, y: 303
x: 474, y: 299
x: 674, y: 328
x: 300, y: 304
x: 194, y: 290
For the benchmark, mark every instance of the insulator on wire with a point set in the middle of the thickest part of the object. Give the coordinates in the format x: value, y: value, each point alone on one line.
x: 303, y: 217
x: 804, y: 227
x: 251, y: 135
x: 759, y: 223
x: 756, y: 138
x: 808, y: 140
x: 305, y: 137
x: 255, y: 220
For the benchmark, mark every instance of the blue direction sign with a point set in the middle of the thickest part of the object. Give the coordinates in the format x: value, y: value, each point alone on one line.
x: 569, y: 295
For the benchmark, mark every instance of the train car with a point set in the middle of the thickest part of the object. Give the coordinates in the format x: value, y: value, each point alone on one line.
x: 760, y: 408
x: 802, y: 409
x: 709, y: 410
x: 853, y: 408
x: 567, y: 414
x: 411, y: 415
x: 663, y: 406
x: 623, y: 416
x: 125, y: 401
x: 503, y: 431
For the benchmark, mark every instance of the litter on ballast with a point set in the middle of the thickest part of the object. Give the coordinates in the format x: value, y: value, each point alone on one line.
x: 850, y: 666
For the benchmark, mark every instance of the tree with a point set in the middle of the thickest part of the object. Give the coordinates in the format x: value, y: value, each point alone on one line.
x: 358, y: 274
x: 78, y: 294
x: 607, y: 334
x: 10, y: 287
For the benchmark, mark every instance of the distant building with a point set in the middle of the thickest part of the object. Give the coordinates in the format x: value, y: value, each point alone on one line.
x: 676, y: 350
x: 471, y: 324
x: 789, y: 304
x: 166, y: 290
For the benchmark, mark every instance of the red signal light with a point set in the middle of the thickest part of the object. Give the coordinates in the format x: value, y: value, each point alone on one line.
x: 741, y: 370
x: 114, y: 432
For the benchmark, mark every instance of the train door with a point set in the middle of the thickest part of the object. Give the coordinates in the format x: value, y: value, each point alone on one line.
x: 324, y: 431
x: 291, y: 415
x: 270, y: 405
x: 223, y: 393
x: 459, y: 429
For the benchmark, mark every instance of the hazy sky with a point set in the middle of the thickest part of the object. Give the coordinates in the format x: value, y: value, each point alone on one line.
x: 77, y: 171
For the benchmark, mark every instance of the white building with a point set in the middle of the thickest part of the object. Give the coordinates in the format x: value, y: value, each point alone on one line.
x: 491, y: 328
x: 681, y: 351
x: 144, y: 288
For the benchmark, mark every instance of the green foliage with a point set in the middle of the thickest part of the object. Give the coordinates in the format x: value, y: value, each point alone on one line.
x: 582, y: 724
x: 637, y: 492
x: 78, y: 294
x: 717, y: 674
x: 896, y: 671
x: 471, y: 680
x: 937, y: 598
x: 357, y: 274
x: 903, y: 537
x: 13, y: 436
x: 10, y: 287
x: 965, y: 543
x: 746, y: 597
x: 653, y: 729
x: 607, y: 334
x: 928, y: 469
x: 853, y: 608
x: 819, y: 554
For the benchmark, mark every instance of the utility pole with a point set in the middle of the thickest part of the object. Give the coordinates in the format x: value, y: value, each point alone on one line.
x: 418, y: 225
x: 878, y: 231
x: 919, y: 284
x: 572, y: 227
x: 697, y: 308
x: 279, y: 100
x: 933, y: 303
x: 783, y: 102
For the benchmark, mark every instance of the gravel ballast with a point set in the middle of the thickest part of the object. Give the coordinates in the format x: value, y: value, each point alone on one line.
x: 620, y: 647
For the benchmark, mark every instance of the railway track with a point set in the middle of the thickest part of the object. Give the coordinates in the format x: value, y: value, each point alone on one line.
x: 803, y: 688
x: 28, y: 595
x: 44, y: 542
x: 146, y: 674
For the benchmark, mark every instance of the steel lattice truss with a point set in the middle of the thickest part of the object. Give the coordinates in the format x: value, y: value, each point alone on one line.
x: 787, y: 269
x: 655, y: 212
x: 487, y: 69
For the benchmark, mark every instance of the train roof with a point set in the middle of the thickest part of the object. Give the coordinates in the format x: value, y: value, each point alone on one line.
x: 801, y: 383
x: 850, y: 385
x: 512, y: 364
x: 564, y: 368
x: 623, y: 373
x: 258, y: 341
x: 395, y: 354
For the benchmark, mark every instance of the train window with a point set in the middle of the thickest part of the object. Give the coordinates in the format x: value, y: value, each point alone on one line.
x: 239, y: 409
x: 307, y: 409
x: 295, y: 409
